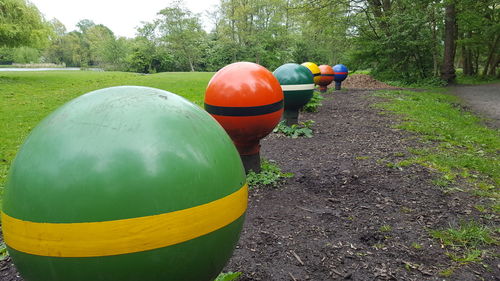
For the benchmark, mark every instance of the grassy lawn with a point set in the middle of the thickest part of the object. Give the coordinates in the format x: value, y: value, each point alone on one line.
x: 460, y: 149
x: 464, y: 148
x: 27, y: 97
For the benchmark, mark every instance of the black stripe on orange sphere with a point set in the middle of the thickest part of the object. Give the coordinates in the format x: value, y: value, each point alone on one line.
x: 326, y: 75
x: 247, y: 100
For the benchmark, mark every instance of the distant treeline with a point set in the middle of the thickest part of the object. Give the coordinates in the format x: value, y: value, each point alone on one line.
x: 403, y: 40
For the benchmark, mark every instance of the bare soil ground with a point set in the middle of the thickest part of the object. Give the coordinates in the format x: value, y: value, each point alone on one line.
x: 482, y: 99
x: 347, y: 215
x: 363, y: 81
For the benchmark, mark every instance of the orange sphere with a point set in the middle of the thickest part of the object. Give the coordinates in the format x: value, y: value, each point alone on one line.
x: 247, y: 100
x: 326, y: 76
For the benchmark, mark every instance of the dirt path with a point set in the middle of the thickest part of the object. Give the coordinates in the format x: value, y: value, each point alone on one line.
x: 346, y: 214
x: 483, y: 99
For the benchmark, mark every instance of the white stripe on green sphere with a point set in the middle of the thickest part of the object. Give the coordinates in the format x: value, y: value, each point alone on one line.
x: 300, y: 87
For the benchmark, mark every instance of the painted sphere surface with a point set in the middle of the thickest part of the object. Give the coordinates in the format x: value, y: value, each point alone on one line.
x: 340, y: 72
x: 247, y: 100
x: 124, y: 183
x: 326, y: 75
x: 297, y: 84
x: 314, y: 70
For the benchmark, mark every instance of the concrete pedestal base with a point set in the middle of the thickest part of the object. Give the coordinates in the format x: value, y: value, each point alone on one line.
x: 291, y: 117
x: 251, y: 162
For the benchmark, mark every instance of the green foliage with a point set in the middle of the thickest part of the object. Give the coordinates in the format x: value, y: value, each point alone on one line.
x: 181, y: 31
x: 21, y: 24
x: 464, y: 148
x: 468, y: 256
x: 296, y: 130
x: 3, y: 251
x: 447, y: 272
x: 465, y: 240
x: 26, y: 55
x: 416, y: 245
x: 229, y: 276
x: 393, y: 43
x: 467, y: 235
x: 475, y: 79
x: 385, y: 228
x: 315, y: 102
x: 270, y: 175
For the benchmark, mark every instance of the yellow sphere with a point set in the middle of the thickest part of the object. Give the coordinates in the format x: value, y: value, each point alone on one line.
x: 314, y: 70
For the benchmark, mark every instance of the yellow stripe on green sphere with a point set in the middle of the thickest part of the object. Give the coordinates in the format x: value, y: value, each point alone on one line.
x: 124, y: 183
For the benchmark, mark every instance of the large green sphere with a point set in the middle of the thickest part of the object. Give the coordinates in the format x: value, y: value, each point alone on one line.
x: 297, y: 83
x: 134, y: 167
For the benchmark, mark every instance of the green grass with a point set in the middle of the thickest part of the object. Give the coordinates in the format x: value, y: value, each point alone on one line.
x: 466, y: 241
x: 27, y: 97
x: 466, y: 235
x: 459, y: 147
x: 462, y: 146
x: 361, y: 71
x: 475, y: 79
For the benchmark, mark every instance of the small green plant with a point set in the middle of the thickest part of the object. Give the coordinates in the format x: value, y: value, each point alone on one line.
x: 362, y: 157
x: 447, y: 272
x: 406, y: 210
x: 416, y: 245
x: 385, y: 228
x: 3, y: 251
x: 315, y: 102
x: 270, y: 175
x: 472, y: 255
x: 468, y: 234
x: 228, y: 276
x: 465, y: 240
x: 296, y: 130
x: 481, y: 208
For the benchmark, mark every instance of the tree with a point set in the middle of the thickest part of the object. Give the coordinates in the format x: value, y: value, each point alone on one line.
x: 448, y: 67
x: 21, y: 24
x: 181, y: 31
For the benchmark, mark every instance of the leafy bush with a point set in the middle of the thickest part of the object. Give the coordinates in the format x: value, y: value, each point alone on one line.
x: 269, y: 175
x: 315, y: 102
x: 296, y: 130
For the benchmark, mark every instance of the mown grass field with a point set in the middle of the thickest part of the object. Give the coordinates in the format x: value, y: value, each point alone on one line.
x: 27, y: 97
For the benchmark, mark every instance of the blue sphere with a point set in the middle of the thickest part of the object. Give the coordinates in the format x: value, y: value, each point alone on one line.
x: 340, y: 72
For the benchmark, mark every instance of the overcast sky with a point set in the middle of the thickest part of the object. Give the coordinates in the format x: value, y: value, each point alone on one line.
x: 121, y: 16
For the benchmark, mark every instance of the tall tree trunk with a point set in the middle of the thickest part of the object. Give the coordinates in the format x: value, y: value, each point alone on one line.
x: 434, y: 44
x: 491, y: 56
x: 448, y: 67
x: 476, y: 60
x: 191, y: 65
x: 468, y: 64
x: 493, y: 68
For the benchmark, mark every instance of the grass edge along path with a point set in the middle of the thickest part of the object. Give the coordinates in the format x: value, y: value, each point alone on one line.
x: 461, y: 149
